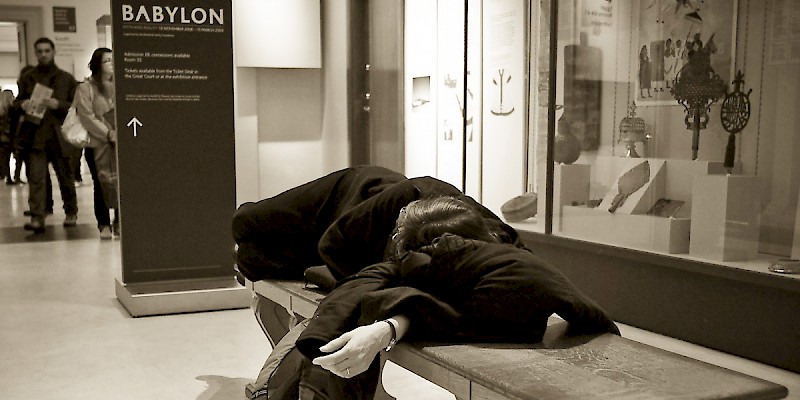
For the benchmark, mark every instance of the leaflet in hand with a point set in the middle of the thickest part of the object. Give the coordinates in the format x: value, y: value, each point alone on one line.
x: 36, y: 107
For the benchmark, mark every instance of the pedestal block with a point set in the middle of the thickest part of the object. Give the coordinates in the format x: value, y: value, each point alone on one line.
x: 645, y: 232
x: 725, y: 217
x: 570, y: 186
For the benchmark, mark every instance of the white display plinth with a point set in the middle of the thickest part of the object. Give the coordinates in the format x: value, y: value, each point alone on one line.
x: 646, y: 232
x: 570, y: 186
x: 725, y: 217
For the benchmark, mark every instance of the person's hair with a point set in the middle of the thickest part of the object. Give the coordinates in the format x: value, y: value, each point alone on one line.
x: 422, y: 221
x: 96, y: 66
x: 6, y: 98
x: 44, y: 40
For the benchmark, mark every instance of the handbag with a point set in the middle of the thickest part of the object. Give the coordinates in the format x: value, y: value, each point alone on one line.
x: 73, y: 131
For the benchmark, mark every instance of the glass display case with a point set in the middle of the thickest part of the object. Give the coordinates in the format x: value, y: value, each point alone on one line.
x: 660, y: 126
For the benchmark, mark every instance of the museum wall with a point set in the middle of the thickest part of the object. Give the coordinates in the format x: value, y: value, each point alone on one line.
x: 292, y: 122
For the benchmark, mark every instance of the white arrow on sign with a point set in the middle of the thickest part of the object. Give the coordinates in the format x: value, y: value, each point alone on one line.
x: 134, y: 121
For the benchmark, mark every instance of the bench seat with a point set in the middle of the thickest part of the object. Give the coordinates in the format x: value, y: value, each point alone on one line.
x: 560, y: 367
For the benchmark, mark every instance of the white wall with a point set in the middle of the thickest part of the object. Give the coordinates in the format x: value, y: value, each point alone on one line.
x: 335, y: 145
x: 291, y: 124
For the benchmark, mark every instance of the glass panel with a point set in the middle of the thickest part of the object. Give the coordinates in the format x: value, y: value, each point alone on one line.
x: 656, y: 136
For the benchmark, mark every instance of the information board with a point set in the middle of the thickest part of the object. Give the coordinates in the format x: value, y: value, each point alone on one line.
x: 175, y: 121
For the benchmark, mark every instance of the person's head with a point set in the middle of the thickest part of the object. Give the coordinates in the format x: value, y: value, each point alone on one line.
x: 101, y: 63
x: 45, y: 50
x: 643, y: 52
x: 422, y: 221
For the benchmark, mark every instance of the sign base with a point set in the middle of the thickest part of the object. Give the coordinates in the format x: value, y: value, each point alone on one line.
x: 175, y: 297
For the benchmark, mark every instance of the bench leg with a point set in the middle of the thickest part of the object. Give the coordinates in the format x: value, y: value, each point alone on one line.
x: 380, y: 391
x: 274, y: 320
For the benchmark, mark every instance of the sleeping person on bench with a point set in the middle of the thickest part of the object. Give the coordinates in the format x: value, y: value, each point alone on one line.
x: 412, y: 258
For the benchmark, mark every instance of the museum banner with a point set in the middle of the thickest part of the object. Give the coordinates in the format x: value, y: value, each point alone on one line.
x: 175, y: 121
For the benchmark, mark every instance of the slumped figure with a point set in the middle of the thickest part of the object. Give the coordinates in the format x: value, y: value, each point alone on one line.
x: 413, y: 259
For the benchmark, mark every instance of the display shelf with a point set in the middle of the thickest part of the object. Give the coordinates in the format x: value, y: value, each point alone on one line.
x: 648, y: 232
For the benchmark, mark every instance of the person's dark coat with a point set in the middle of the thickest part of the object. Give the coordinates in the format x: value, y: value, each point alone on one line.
x: 456, y: 290
x: 343, y: 220
x: 38, y: 135
x: 277, y: 238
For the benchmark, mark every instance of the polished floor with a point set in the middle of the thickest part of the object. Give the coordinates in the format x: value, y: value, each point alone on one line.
x: 64, y: 335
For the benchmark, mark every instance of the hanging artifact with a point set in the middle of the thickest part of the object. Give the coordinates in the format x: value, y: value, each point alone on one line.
x: 631, y: 130
x: 500, y: 109
x: 583, y: 93
x: 567, y: 147
x: 696, y: 88
x: 734, y: 115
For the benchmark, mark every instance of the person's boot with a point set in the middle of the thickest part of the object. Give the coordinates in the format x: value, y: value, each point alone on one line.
x: 105, y: 232
x: 71, y: 220
x: 36, y: 225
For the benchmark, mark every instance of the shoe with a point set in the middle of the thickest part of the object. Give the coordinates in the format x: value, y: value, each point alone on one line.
x: 36, y: 225
x: 71, y: 220
x: 105, y: 232
x: 115, y: 230
x: 10, y: 182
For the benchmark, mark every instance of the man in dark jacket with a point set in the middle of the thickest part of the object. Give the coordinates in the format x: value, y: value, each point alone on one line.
x: 40, y: 133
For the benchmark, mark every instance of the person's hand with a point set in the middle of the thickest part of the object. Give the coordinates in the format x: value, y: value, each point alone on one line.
x: 353, y: 352
x: 26, y: 104
x: 50, y: 103
x: 112, y: 136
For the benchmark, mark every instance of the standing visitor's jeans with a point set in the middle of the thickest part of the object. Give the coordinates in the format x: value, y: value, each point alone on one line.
x: 37, y: 175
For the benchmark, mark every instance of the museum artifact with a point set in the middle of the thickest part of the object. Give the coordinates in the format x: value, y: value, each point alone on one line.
x: 500, y: 110
x: 697, y: 87
x: 567, y: 147
x: 785, y: 266
x: 631, y: 130
x: 520, y: 208
x: 629, y: 182
x: 583, y: 91
x: 734, y: 115
x: 666, y: 208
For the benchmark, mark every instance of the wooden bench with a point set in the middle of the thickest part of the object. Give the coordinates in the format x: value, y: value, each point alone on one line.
x: 560, y: 367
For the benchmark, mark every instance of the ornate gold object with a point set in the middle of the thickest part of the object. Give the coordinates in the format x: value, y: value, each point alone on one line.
x: 631, y: 130
x: 696, y: 87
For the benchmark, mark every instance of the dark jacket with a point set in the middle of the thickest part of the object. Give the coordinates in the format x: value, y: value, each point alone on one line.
x: 456, y: 290
x: 38, y: 135
x: 343, y: 220
x: 278, y: 237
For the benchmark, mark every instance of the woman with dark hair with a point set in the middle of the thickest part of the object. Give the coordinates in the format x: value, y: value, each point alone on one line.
x: 422, y: 221
x: 94, y: 104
